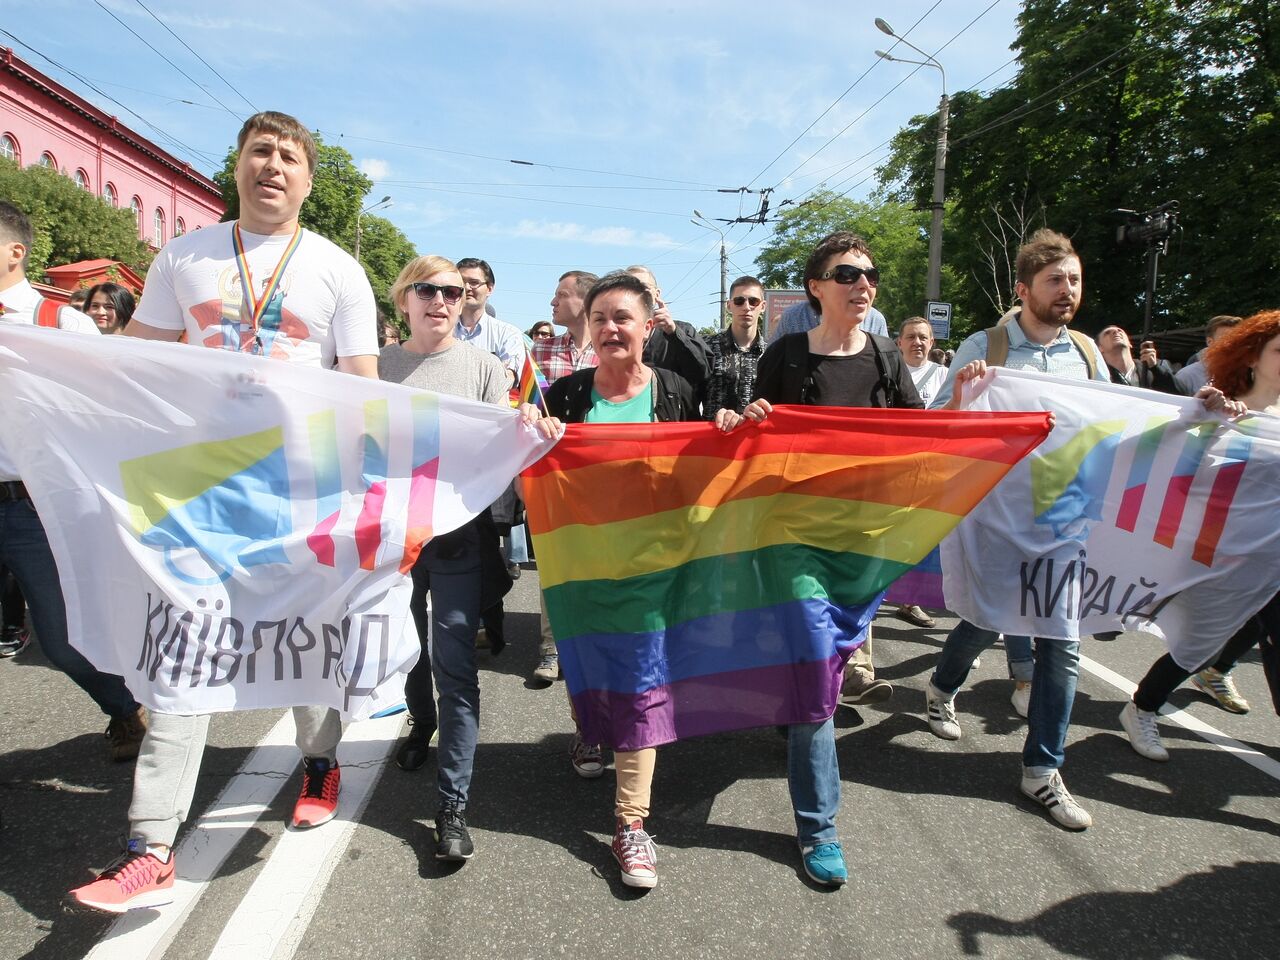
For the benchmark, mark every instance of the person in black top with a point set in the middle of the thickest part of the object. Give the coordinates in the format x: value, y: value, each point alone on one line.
x: 734, y: 353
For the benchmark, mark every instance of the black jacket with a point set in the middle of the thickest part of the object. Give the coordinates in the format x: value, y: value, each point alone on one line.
x: 570, y: 397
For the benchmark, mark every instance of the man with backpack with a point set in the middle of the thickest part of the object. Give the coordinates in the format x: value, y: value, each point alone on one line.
x: 1037, y: 336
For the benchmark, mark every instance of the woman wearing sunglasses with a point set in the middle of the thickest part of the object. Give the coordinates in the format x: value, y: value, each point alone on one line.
x: 734, y: 353
x: 836, y: 364
x: 463, y: 570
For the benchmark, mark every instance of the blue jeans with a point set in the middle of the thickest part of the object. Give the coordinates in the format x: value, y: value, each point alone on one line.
x: 24, y: 549
x: 813, y: 774
x: 1017, y: 651
x: 1053, y: 688
x: 449, y: 567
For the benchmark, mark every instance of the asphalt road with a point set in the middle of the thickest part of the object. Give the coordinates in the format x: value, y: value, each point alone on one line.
x: 947, y: 858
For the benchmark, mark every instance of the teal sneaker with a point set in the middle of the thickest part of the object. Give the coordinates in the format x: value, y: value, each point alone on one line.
x: 824, y: 863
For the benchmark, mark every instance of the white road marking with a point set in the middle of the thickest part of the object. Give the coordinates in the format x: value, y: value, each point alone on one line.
x: 1209, y: 733
x: 274, y: 914
x: 146, y: 934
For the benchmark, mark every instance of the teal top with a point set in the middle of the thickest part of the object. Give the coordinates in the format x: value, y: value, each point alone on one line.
x: 639, y: 409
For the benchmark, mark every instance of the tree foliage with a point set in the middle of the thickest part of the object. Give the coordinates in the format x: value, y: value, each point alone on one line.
x: 1125, y: 104
x: 337, y: 196
x: 896, y: 233
x: 70, y: 224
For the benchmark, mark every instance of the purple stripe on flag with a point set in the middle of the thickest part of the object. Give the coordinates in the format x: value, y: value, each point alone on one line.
x: 922, y: 584
x: 733, y: 700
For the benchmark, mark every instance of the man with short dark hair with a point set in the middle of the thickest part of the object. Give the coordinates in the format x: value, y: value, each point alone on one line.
x: 733, y: 354
x: 478, y: 328
x: 261, y: 285
x: 1037, y: 336
x: 1194, y: 375
x: 560, y: 356
x: 24, y: 546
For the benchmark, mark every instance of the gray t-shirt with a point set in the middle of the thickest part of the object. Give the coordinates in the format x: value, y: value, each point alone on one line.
x: 460, y: 371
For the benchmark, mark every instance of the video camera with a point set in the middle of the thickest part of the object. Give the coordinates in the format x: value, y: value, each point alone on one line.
x: 1150, y: 229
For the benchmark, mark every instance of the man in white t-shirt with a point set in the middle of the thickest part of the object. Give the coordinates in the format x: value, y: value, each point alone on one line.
x: 260, y: 285
x: 915, y: 340
x: 24, y: 546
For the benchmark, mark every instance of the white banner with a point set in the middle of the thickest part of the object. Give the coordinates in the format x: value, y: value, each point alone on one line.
x: 232, y: 532
x: 1140, y: 511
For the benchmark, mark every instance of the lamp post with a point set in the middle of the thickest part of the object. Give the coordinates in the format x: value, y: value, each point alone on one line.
x: 933, y: 285
x: 701, y: 221
x: 380, y: 205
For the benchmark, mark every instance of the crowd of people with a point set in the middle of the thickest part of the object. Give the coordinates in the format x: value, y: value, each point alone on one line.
x: 621, y: 358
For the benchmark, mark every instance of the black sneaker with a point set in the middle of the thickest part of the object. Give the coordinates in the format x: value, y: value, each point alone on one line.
x: 453, y: 842
x: 13, y: 641
x: 415, y: 745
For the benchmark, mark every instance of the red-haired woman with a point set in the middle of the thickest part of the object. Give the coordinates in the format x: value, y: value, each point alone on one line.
x: 1243, y: 363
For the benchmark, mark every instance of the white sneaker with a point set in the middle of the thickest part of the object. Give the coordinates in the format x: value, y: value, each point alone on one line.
x: 941, y: 713
x: 1021, y: 697
x: 1144, y: 735
x: 1052, y: 794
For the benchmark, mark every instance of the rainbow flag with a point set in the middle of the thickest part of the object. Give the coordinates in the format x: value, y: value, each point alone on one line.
x: 699, y: 582
x: 531, y: 386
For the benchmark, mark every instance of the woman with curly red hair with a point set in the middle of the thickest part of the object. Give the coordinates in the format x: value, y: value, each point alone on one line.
x: 1244, y: 363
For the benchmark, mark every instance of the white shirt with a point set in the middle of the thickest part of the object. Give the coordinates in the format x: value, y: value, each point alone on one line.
x: 928, y: 379
x: 19, y: 303
x: 323, y: 309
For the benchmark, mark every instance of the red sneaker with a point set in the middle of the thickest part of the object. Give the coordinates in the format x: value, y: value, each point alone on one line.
x: 636, y: 855
x: 135, y: 881
x: 318, y: 801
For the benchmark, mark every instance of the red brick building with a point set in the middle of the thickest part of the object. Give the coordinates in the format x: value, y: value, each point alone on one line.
x: 41, y: 121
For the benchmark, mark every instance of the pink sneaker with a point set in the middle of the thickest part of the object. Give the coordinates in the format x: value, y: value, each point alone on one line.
x: 318, y: 799
x: 636, y: 855
x: 136, y: 881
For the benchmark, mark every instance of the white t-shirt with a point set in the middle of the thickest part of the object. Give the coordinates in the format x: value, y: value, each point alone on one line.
x: 322, y: 309
x: 928, y: 379
x: 19, y: 304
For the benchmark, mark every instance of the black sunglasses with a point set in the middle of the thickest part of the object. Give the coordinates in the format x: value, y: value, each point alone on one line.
x: 754, y: 301
x: 847, y: 273
x: 428, y: 291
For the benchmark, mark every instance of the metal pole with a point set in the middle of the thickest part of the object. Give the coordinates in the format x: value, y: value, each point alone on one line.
x: 357, y: 252
x: 933, y: 285
x: 1153, y: 256
x: 724, y: 260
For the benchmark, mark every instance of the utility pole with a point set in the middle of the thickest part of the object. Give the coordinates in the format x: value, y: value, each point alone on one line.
x: 933, y: 284
x: 701, y: 221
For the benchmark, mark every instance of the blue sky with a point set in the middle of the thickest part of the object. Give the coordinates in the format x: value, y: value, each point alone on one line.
x: 629, y: 115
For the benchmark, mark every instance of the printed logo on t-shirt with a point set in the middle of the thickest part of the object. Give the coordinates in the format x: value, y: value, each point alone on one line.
x: 227, y: 323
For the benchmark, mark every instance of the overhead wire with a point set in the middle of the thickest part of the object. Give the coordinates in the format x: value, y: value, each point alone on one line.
x: 229, y: 84
x: 154, y: 50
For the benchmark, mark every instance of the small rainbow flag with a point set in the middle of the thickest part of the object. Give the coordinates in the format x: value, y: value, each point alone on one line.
x: 531, y: 386
x: 699, y: 582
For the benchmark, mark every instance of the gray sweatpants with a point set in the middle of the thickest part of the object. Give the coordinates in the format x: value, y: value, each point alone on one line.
x: 164, y: 780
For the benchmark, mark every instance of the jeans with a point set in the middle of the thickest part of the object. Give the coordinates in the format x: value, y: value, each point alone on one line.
x: 1053, y: 689
x: 1017, y: 651
x: 24, y: 549
x: 813, y: 775
x: 449, y: 567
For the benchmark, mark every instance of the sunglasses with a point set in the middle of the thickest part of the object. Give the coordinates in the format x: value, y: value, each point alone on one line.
x: 847, y: 274
x: 542, y: 334
x: 428, y: 291
x: 740, y: 301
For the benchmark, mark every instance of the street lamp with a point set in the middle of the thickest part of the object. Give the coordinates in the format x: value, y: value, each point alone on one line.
x: 380, y: 205
x: 933, y: 285
x: 701, y: 221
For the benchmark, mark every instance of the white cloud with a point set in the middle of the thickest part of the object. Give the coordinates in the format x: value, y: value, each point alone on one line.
x: 374, y: 168
x: 580, y: 233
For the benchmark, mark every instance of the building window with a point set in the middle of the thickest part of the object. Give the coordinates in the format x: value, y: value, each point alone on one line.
x: 9, y: 149
x: 179, y: 227
x: 136, y: 206
x: 157, y: 228
x: 46, y: 160
x: 109, y: 195
x: 82, y: 180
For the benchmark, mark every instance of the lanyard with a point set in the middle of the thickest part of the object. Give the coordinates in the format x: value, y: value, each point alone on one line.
x: 258, y: 305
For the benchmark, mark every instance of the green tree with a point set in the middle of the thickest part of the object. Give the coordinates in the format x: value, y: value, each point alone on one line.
x: 1126, y: 104
x: 895, y: 232
x: 337, y: 196
x: 70, y: 224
